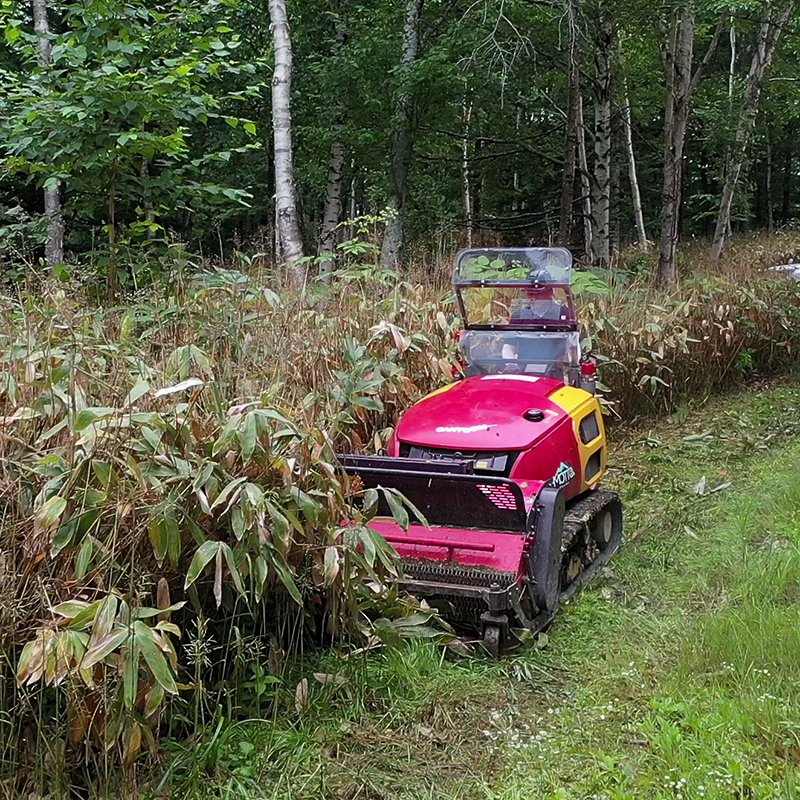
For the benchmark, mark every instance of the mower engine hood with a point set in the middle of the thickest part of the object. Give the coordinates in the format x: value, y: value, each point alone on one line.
x: 483, y: 412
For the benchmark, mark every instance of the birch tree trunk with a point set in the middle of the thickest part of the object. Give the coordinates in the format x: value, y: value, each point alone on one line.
x: 638, y: 213
x: 678, y: 73
x: 285, y: 190
x: 335, y: 190
x: 466, y: 176
x: 333, y: 207
x: 586, y: 188
x: 402, y: 144
x: 571, y: 136
x: 54, y: 243
x: 772, y: 26
x: 601, y: 200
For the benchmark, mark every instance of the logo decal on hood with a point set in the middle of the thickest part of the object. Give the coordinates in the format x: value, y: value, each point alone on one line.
x: 564, y: 474
x: 457, y: 429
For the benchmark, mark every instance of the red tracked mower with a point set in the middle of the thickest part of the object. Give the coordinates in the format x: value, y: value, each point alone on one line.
x: 505, y: 462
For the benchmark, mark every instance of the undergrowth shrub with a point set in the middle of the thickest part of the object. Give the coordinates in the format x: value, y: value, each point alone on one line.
x: 657, y: 350
x: 170, y: 468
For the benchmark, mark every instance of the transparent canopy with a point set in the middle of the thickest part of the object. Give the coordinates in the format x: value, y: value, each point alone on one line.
x: 524, y: 265
x: 545, y: 306
x: 539, y: 353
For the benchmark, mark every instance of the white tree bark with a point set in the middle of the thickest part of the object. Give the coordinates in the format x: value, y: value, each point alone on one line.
x: 638, y: 213
x: 402, y: 144
x: 572, y: 132
x: 772, y: 25
x: 601, y: 184
x: 466, y: 176
x: 333, y: 207
x: 285, y: 189
x: 54, y: 243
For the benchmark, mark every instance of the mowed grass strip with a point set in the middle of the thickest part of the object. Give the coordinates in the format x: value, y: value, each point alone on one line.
x: 682, y: 670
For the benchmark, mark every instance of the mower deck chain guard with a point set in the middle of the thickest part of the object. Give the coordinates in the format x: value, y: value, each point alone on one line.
x: 431, y: 578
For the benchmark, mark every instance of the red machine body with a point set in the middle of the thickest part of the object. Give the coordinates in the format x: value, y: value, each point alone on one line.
x: 504, y: 463
x: 485, y: 414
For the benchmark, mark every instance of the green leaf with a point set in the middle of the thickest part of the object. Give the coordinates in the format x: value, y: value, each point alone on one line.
x: 288, y: 581
x: 395, y: 506
x: 158, y: 537
x: 139, y: 390
x: 370, y: 403
x: 232, y: 568
x: 153, y: 700
x: 103, y: 647
x: 200, y: 561
x: 130, y: 675
x: 250, y: 127
x: 308, y: 506
x: 106, y: 614
x: 173, y: 539
x: 70, y: 609
x: 370, y: 507
x: 154, y: 658
x: 370, y: 550
x: 145, y: 612
x: 331, y: 570
x: 103, y: 471
x: 247, y: 437
x: 49, y: 514
x: 228, y: 493
x: 89, y: 415
x: 85, y: 619
x: 84, y: 558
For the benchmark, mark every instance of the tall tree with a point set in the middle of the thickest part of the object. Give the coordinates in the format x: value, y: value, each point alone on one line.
x: 54, y: 243
x: 627, y: 125
x: 601, y: 183
x: 402, y: 132
x: 285, y: 190
x: 680, y: 83
x: 335, y: 189
x: 572, y: 9
x: 772, y: 25
x: 586, y: 186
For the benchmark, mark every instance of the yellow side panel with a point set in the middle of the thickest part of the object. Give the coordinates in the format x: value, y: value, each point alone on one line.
x: 578, y: 404
x: 438, y: 391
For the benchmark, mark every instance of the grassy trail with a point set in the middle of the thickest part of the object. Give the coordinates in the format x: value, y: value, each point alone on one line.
x: 676, y: 675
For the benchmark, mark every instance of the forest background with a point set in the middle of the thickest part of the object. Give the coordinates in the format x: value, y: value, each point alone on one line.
x: 445, y: 123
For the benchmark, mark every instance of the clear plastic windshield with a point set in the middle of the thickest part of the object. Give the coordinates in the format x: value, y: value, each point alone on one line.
x: 524, y: 265
x: 517, y: 306
x: 518, y: 352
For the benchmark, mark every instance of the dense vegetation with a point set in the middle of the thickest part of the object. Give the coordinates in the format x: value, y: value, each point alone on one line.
x: 224, y: 252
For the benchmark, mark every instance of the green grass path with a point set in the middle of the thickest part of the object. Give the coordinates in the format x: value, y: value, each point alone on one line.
x: 676, y: 675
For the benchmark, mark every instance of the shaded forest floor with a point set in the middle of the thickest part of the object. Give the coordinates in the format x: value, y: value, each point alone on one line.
x: 674, y: 676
